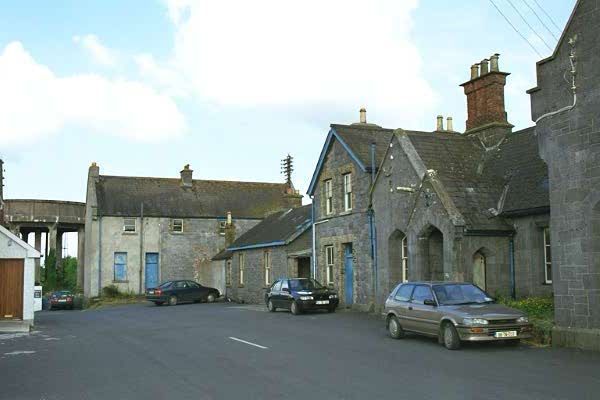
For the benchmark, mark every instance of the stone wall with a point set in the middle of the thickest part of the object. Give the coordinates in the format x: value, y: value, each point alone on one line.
x: 570, y: 145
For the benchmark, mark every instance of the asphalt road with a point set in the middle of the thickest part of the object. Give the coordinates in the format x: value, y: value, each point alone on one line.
x: 187, y: 352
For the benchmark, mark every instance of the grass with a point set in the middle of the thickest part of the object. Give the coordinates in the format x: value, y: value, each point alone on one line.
x: 541, y: 315
x: 111, y: 296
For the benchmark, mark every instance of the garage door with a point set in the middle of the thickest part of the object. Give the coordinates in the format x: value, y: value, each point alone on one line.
x: 11, y: 289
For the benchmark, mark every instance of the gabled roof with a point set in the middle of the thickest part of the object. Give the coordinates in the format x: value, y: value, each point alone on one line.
x: 486, y: 184
x: 277, y: 229
x: 31, y: 251
x: 222, y: 255
x: 166, y: 197
x: 356, y: 139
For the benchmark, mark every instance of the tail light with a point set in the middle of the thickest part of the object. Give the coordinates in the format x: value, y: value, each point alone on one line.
x: 158, y: 291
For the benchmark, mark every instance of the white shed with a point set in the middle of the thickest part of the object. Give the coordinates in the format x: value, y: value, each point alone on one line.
x: 17, y: 274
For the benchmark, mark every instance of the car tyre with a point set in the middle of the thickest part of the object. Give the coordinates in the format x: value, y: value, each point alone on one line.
x: 173, y: 300
x: 295, y: 309
x: 450, y: 337
x: 270, y: 306
x: 513, y: 342
x: 394, y: 328
x: 158, y: 303
x: 210, y: 298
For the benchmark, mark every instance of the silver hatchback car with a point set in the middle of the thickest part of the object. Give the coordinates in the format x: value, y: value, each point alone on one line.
x: 452, y: 312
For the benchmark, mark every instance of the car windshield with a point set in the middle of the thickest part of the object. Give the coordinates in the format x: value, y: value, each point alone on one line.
x: 304, y: 284
x: 464, y: 293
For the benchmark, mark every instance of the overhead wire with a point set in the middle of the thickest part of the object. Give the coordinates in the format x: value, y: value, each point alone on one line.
x: 547, y: 15
x: 540, y: 19
x: 516, y: 30
x: 529, y: 25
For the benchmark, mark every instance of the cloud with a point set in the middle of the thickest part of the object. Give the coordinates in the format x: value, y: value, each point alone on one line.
x: 35, y: 103
x: 335, y: 53
x: 100, y: 54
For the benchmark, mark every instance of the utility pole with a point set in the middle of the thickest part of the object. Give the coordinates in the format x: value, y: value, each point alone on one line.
x: 287, y: 167
x: 2, y: 222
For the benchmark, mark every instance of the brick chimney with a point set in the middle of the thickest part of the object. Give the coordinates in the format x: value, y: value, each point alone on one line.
x: 186, y: 176
x: 485, y: 102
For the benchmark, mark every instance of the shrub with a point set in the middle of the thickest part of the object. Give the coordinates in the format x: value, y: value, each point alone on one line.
x: 111, y: 291
x: 541, y: 315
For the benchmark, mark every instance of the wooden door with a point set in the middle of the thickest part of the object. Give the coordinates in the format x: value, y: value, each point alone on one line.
x: 11, y: 288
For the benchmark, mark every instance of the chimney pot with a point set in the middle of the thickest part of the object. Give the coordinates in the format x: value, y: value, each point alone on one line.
x: 449, y: 125
x: 363, y: 115
x: 186, y: 176
x: 494, y: 63
x: 484, y: 66
x: 474, y: 71
x: 229, y: 219
x: 440, y: 123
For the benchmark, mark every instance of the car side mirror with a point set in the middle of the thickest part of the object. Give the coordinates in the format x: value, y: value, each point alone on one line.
x: 430, y: 302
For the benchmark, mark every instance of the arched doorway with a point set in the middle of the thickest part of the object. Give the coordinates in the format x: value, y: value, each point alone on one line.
x: 398, y: 258
x: 479, y: 270
x: 432, y: 250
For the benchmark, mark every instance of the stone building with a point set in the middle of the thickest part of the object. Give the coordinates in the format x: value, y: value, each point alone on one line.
x: 565, y: 105
x: 140, y: 231
x: 469, y: 206
x: 340, y: 191
x: 279, y: 246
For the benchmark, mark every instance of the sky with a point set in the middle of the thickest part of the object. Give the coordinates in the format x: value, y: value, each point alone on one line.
x: 143, y: 87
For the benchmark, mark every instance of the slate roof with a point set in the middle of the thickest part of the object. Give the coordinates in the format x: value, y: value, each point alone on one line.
x: 477, y: 179
x: 277, y: 229
x: 165, y: 197
x: 359, y: 138
x: 222, y: 255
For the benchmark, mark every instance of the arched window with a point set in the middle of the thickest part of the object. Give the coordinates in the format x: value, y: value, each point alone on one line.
x: 404, y: 259
x: 479, y: 270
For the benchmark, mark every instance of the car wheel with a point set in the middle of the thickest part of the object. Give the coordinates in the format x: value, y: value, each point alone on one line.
x: 211, y: 298
x: 158, y: 303
x: 295, y: 309
x: 513, y: 342
x: 173, y: 301
x: 394, y: 328
x: 450, y: 337
x: 270, y: 306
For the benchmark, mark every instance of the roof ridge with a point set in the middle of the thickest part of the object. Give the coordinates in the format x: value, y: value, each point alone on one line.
x: 193, y: 180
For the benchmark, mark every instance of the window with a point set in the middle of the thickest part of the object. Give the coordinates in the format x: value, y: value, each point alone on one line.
x: 328, y: 196
x: 177, y: 225
x: 284, y: 285
x: 276, y: 286
x: 329, y: 263
x: 193, y: 284
x: 181, y: 285
x: 267, y: 269
x: 348, y: 192
x: 241, y: 266
x: 129, y: 225
x: 547, y: 257
x: 120, y: 267
x: 421, y: 293
x: 228, y: 274
x: 403, y: 294
x: 404, y: 259
x: 222, y: 227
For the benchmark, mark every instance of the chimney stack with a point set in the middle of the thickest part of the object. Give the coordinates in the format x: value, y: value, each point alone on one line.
x: 449, y: 125
x: 186, y: 176
x: 229, y: 219
x: 363, y: 115
x: 485, y: 99
x: 440, y: 123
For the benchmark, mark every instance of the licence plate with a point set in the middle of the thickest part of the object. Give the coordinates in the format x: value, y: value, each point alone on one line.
x: 62, y: 301
x: 505, y: 334
x: 150, y: 291
x: 322, y: 301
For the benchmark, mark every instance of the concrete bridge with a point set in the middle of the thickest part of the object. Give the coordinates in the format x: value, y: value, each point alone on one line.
x: 53, y: 217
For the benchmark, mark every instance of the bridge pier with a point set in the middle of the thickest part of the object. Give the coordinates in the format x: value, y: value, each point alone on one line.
x: 38, y: 247
x: 80, y: 256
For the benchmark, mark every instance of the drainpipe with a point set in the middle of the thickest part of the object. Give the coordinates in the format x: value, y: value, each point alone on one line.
x: 314, y: 237
x: 371, y: 214
x: 99, y: 256
x: 511, y: 264
x: 141, y: 244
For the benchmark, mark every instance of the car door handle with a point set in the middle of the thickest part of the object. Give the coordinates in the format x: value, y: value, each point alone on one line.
x: 410, y: 308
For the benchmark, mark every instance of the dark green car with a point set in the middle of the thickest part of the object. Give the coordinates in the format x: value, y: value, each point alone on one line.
x: 452, y: 312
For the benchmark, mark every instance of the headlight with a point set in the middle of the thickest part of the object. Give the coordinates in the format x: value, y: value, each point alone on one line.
x: 333, y: 296
x: 306, y: 297
x: 475, y: 321
x: 523, y: 320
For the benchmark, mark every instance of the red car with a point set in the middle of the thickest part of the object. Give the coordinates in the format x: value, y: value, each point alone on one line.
x: 61, y: 299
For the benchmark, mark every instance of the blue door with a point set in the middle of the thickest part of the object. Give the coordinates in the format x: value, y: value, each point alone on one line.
x: 151, y: 270
x: 348, y: 273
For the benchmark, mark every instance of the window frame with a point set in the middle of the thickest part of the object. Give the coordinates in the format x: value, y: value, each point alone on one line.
x: 241, y: 267
x: 267, y: 268
x: 404, y: 255
x: 124, y: 265
x: 547, y: 256
x: 412, y: 288
x: 328, y: 184
x: 412, y: 295
x: 173, y: 225
x: 329, y: 263
x: 347, y: 186
x: 228, y: 273
x: 126, y: 225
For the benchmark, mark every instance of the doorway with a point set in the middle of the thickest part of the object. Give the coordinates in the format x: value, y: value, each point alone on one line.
x: 348, y: 274
x: 479, y: 270
x: 11, y: 288
x: 304, y: 267
x: 151, y: 270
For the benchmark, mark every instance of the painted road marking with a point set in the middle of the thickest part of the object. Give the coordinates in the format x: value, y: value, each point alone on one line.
x: 14, y: 353
x: 248, y: 343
